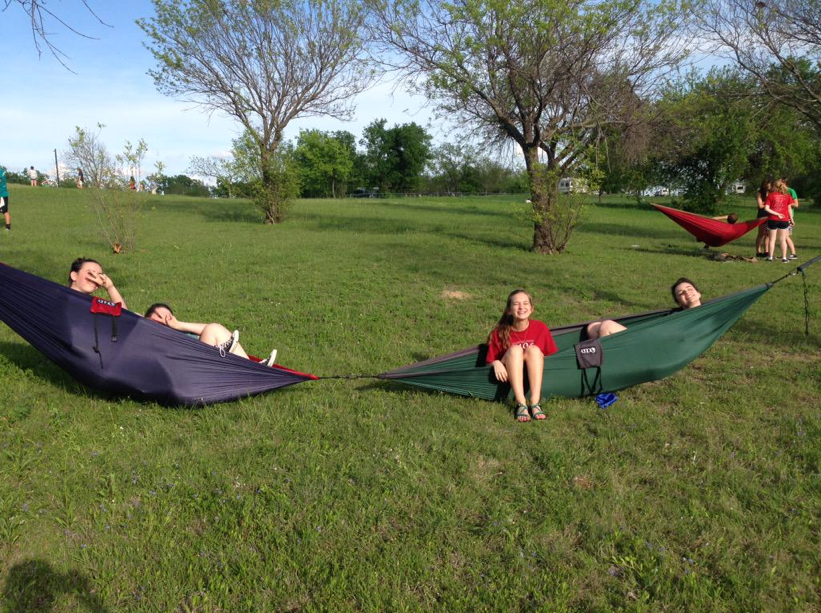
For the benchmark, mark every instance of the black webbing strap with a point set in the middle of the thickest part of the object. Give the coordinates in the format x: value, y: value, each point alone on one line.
x: 592, y: 389
x: 114, y: 337
x: 590, y: 354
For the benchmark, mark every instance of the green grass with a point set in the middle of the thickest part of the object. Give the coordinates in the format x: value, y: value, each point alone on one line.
x: 700, y: 492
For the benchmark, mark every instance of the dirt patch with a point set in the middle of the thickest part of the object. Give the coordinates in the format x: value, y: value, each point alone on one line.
x: 726, y: 257
x: 453, y: 294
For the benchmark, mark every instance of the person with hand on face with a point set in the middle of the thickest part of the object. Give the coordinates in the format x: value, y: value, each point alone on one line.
x: 518, y: 343
x: 213, y: 334
x: 684, y: 291
x: 87, y: 276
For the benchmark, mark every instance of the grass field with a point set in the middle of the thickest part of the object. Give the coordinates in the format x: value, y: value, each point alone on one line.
x: 700, y: 492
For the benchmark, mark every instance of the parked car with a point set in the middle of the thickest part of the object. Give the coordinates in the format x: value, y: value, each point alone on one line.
x: 661, y: 191
x: 362, y: 192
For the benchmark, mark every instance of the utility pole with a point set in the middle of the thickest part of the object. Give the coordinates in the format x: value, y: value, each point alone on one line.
x: 56, y: 168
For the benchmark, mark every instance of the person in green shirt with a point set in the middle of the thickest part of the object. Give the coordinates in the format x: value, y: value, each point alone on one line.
x: 794, y: 205
x: 4, y: 197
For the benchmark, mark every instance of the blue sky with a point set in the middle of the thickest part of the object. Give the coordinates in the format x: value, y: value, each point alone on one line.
x: 42, y: 102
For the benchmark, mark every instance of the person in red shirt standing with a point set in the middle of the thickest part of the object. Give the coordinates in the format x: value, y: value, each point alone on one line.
x: 779, y: 209
x: 518, y: 342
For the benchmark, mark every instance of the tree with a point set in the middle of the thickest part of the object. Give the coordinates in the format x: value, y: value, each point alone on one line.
x: 324, y: 162
x: 544, y: 74
x: 395, y: 158
x: 117, y: 208
x: 450, y: 167
x: 717, y: 129
x: 263, y: 62
x: 221, y: 170
x: 778, y: 42
x: 182, y: 185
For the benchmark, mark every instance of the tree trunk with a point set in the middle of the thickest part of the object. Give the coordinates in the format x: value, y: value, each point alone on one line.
x: 270, y: 198
x: 543, y: 196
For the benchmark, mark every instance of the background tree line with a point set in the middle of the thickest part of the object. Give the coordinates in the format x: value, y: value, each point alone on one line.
x: 583, y: 88
x: 385, y: 160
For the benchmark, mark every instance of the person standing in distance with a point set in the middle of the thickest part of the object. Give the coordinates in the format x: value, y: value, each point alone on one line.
x: 33, y: 176
x: 4, y: 197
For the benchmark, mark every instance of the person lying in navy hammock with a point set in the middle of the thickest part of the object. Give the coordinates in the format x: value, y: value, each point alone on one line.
x: 87, y: 276
x: 213, y: 334
x: 684, y: 291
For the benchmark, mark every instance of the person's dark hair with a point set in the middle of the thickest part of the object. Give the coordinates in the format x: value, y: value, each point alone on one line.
x: 506, y: 320
x: 766, y: 188
x: 678, y: 282
x: 155, y: 306
x: 77, y: 264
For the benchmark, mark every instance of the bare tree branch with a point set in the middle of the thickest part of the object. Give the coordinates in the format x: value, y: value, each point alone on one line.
x: 41, y: 16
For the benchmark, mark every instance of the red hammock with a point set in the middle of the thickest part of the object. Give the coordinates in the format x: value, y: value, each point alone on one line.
x: 711, y: 232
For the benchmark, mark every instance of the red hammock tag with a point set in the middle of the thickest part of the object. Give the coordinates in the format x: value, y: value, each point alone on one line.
x: 106, y: 307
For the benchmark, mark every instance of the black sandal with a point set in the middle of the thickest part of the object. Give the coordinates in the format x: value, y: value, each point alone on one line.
x: 536, y: 411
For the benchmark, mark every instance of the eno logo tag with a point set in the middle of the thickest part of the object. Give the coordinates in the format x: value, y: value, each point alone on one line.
x: 98, y: 305
x: 587, y: 350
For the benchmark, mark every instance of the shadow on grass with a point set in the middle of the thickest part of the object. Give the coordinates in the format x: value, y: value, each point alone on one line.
x: 28, y: 359
x: 694, y: 252
x: 231, y: 215
x: 34, y: 586
x: 789, y: 340
x: 506, y: 208
x: 637, y: 230
x: 38, y: 262
x: 380, y: 226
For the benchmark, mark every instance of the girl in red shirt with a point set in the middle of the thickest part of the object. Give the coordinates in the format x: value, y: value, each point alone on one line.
x: 518, y: 342
x: 779, y: 209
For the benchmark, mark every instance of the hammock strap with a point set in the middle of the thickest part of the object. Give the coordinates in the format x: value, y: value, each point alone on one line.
x: 105, y: 308
x: 806, y: 303
x: 350, y: 377
x: 801, y: 269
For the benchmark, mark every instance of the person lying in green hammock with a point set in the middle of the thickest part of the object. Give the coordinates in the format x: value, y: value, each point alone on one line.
x: 684, y: 291
x: 213, y: 334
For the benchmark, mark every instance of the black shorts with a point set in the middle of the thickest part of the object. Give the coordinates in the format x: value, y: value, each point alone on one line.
x: 761, y: 213
x: 4, y: 205
x: 773, y: 224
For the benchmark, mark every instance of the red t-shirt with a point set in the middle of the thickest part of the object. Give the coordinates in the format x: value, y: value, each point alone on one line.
x: 536, y: 333
x: 780, y: 203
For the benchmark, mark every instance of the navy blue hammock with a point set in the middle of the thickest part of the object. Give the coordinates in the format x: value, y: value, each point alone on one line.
x: 120, y: 352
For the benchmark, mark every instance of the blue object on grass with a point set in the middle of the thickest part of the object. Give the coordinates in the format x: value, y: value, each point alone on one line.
x: 605, y: 400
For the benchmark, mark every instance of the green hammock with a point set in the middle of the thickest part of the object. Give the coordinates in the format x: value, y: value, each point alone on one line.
x: 654, y: 346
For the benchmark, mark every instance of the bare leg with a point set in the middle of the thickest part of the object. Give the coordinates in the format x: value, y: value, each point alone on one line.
x: 216, y: 334
x: 534, y: 360
x: 599, y: 329
x: 771, y: 246
x: 761, y: 239
x: 790, y: 244
x: 514, y: 363
x: 782, y: 239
